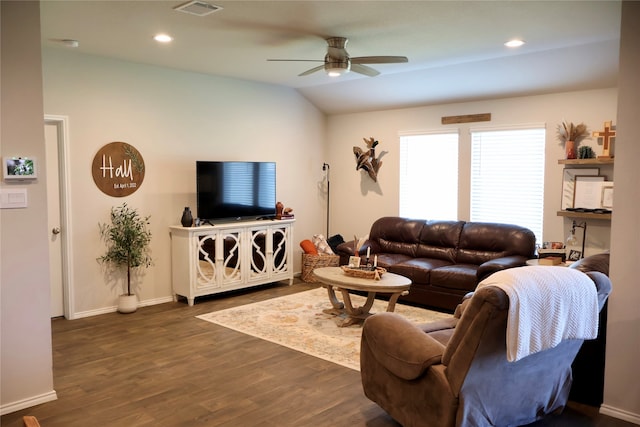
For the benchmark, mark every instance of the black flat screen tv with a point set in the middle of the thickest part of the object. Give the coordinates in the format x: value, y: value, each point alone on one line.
x: 235, y: 190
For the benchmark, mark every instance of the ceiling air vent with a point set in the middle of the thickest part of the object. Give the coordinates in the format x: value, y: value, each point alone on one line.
x: 198, y: 8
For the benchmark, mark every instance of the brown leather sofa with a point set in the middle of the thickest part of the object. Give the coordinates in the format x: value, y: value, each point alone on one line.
x: 444, y: 259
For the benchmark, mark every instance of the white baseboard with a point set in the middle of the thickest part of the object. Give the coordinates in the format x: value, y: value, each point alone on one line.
x: 155, y: 301
x: 620, y: 414
x: 28, y: 403
x: 114, y: 308
x: 97, y: 312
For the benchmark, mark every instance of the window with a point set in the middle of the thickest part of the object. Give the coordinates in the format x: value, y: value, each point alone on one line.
x: 429, y: 176
x: 507, y: 177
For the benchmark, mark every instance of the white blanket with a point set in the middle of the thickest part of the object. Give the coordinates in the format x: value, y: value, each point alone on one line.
x: 546, y: 305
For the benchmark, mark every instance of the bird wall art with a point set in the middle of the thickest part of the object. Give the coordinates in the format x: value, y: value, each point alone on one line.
x: 366, y: 159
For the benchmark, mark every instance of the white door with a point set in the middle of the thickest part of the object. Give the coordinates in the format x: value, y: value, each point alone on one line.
x: 55, y: 229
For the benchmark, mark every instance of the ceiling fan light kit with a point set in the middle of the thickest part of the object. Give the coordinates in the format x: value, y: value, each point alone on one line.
x: 335, y: 69
x: 338, y: 62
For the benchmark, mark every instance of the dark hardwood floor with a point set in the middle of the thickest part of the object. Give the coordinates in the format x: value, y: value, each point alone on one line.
x: 160, y: 366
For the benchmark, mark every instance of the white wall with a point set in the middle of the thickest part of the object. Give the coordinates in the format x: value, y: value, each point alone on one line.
x: 357, y: 201
x: 26, y: 376
x: 622, y: 376
x: 174, y: 118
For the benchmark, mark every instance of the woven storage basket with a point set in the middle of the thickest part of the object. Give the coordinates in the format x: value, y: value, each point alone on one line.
x: 311, y: 262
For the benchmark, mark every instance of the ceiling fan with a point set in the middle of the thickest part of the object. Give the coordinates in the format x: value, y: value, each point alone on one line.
x: 337, y: 60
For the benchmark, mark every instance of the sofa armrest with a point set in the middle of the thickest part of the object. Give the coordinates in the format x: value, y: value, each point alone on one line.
x: 346, y: 248
x: 598, y: 262
x: 486, y: 269
x: 457, y: 314
x: 400, y: 346
x: 438, y: 325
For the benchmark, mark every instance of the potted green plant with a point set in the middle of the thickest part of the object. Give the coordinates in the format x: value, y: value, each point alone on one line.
x: 127, y: 238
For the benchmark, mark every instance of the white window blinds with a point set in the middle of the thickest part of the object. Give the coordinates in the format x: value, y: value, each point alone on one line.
x: 507, y: 177
x: 429, y: 176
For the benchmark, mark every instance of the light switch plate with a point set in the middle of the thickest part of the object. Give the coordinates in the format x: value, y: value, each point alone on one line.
x: 13, y: 198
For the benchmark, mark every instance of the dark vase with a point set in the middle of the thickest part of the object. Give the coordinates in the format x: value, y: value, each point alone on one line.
x: 187, y: 218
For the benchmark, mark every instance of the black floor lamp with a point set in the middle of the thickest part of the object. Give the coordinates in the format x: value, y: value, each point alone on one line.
x: 325, y: 167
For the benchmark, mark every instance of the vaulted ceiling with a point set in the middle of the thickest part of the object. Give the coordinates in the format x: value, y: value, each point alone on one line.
x: 455, y: 49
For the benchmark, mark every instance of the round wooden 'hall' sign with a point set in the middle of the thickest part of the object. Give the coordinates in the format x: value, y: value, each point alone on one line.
x: 118, y: 169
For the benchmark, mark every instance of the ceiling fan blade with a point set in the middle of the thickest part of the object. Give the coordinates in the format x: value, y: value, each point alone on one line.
x: 379, y: 59
x: 363, y: 69
x: 313, y: 70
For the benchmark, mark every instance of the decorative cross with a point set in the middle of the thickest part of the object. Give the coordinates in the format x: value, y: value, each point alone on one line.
x: 606, y: 136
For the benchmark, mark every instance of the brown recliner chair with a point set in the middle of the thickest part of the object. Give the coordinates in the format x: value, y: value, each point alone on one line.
x: 455, y: 372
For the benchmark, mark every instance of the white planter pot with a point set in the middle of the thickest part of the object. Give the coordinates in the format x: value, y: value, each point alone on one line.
x: 127, y: 303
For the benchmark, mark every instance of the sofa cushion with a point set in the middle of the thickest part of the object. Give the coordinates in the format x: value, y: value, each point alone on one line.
x: 417, y: 269
x: 395, y: 235
x: 481, y: 242
x: 457, y: 276
x: 439, y: 240
x: 387, y: 260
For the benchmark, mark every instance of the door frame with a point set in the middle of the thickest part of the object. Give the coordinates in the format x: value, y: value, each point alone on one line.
x: 62, y: 125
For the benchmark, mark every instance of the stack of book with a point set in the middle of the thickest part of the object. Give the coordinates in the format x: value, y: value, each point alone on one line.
x: 551, y: 253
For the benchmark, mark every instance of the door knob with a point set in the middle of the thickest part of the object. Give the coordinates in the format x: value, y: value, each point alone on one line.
x: 56, y: 230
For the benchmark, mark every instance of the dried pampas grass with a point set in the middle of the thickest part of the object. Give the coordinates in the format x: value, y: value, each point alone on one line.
x: 570, y: 132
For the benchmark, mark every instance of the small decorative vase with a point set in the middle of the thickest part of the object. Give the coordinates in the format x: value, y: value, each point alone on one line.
x: 570, y: 149
x: 187, y: 218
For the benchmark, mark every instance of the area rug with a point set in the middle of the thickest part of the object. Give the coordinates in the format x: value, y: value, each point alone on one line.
x: 298, y: 322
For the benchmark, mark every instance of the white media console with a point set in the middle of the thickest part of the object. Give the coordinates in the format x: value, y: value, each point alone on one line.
x: 217, y: 258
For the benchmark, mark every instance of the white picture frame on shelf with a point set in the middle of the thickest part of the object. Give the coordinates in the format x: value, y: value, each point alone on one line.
x: 19, y: 167
x: 568, y: 181
x: 588, y: 192
x: 606, y: 200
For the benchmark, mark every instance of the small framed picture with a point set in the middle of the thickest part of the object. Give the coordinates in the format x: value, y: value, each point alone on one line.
x: 607, y: 195
x: 568, y: 184
x: 19, y: 168
x: 354, y: 261
x: 587, y: 191
x: 574, y: 255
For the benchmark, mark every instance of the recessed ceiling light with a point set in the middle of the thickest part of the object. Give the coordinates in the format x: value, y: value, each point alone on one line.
x: 162, y: 38
x: 514, y: 43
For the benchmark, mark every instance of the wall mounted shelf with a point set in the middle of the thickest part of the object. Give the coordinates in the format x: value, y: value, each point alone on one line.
x: 595, y: 161
x: 585, y: 215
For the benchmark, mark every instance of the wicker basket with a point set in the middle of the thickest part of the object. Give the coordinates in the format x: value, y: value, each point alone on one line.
x: 311, y: 262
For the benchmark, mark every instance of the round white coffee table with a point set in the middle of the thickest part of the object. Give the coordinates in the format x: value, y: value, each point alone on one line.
x: 333, y: 278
